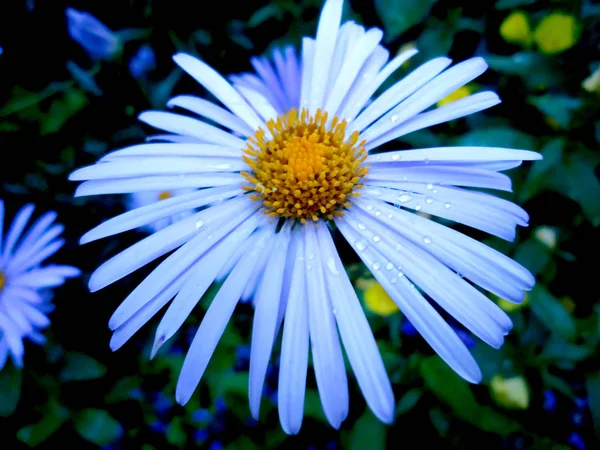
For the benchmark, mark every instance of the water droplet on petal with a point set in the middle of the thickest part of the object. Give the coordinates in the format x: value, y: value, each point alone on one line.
x: 210, y: 236
x: 418, y: 207
x: 334, y: 311
x: 376, y: 238
x: 404, y: 198
x: 369, y: 207
x: 429, y: 186
x: 377, y: 213
x: 375, y: 192
x: 361, y: 226
x: 390, y: 216
x: 393, y: 280
x: 447, y: 205
x: 200, y: 224
x: 376, y: 265
x: 308, y: 267
x: 400, y: 274
x: 361, y: 244
x: 331, y: 266
x: 427, y: 239
x: 389, y: 266
x: 394, y: 118
x: 429, y: 200
x: 395, y: 157
x: 311, y: 256
x: 222, y: 166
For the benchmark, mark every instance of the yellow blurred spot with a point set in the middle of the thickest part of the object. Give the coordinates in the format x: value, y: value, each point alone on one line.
x: 509, y: 306
x: 515, y: 29
x: 592, y: 83
x: 165, y: 195
x: 378, y: 301
x: 552, y: 122
x: 461, y: 92
x: 2, y: 280
x: 547, y: 236
x: 556, y: 33
x: 568, y: 303
x: 510, y: 393
x: 405, y: 47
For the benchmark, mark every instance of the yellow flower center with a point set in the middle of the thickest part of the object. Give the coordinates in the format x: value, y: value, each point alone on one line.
x: 308, y: 169
x: 165, y: 195
x: 2, y: 280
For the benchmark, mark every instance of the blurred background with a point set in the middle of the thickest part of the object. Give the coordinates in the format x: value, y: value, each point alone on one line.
x: 71, y: 88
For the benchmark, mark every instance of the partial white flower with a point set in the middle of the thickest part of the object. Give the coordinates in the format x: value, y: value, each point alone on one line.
x: 25, y: 285
x: 290, y: 154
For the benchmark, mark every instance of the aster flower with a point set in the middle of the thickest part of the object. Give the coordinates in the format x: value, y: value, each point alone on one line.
x: 142, y: 62
x: 97, y: 39
x: 143, y: 198
x: 293, y: 154
x: 25, y: 286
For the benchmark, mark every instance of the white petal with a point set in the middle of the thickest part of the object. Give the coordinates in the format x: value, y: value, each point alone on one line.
x: 213, y: 324
x: 219, y: 87
x: 14, y: 232
x: 308, y: 56
x: 170, y: 149
x: 327, y: 31
x: 263, y: 68
x: 454, y: 154
x: 211, y: 111
x: 357, y: 337
x: 22, y: 258
x: 259, y: 103
x: 325, y: 344
x: 294, y: 347
x: 420, y: 313
x: 176, y: 123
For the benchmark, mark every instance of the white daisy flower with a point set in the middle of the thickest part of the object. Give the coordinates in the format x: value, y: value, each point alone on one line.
x: 287, y: 158
x: 143, y: 198
x: 25, y: 286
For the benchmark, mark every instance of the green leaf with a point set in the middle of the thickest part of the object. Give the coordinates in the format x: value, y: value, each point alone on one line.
x: 312, y: 406
x: 536, y: 70
x: 455, y: 392
x: 558, y: 349
x: 122, y: 390
x: 368, y: 432
x: 533, y: 255
x: 10, y: 389
x: 583, y: 185
x: 97, y: 426
x: 398, y: 16
x: 271, y: 10
x: 509, y: 4
x: 497, y: 136
x: 540, y: 174
x: 552, y: 313
x: 54, y: 415
x: 592, y: 384
x: 175, y: 433
x: 62, y: 109
x: 560, y: 108
x: 437, y: 38
x: 408, y: 401
x: 79, y: 366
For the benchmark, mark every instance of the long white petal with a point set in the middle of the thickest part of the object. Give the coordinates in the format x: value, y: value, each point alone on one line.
x: 173, y: 149
x: 15, y: 230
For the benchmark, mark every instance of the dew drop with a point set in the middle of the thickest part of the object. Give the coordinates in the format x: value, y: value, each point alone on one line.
x: 375, y: 192
x: 404, y: 178
x: 361, y: 244
x: 199, y: 224
x: 376, y: 238
x: 369, y: 207
x: 222, y: 166
x: 395, y: 157
x: 334, y: 311
x: 308, y: 267
x: 429, y: 200
x: 209, y: 237
x: 376, y: 265
x: 332, y: 268
x: 377, y: 213
x: 404, y: 198
x: 427, y: 240
x: 400, y: 274
x: 361, y: 226
x: 390, y: 216
x: 429, y: 186
x: 447, y: 205
x: 394, y: 118
x: 418, y: 207
x: 389, y: 266
x: 393, y: 280
x: 311, y: 256
x: 426, y: 160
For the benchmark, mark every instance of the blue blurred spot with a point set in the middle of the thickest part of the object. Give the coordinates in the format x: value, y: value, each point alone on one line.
x: 201, y: 415
x: 158, y: 427
x: 581, y: 403
x: 408, y: 329
x: 136, y: 394
x: 250, y: 422
x: 576, y: 441
x: 465, y: 337
x: 577, y: 418
x: 242, y: 357
x: 220, y: 405
x: 96, y: 39
x: 162, y: 403
x: 332, y: 445
x: 140, y: 64
x: 549, y: 401
x: 216, y: 445
x: 201, y: 436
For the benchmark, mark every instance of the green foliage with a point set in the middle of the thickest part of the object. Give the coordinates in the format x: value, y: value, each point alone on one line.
x: 97, y: 426
x: 10, y: 389
x: 398, y: 16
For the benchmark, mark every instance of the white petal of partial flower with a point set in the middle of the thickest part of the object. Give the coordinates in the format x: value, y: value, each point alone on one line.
x: 1, y: 237
x: 204, y: 274
x: 308, y: 56
x: 158, y: 210
x: 260, y: 104
x: 351, y: 67
x: 211, y: 111
x: 449, y: 174
x: 219, y: 87
x: 270, y: 79
x: 325, y: 344
x: 36, y: 258
x: 327, y: 31
x: 23, y: 293
x: 420, y: 313
x: 294, y: 347
x: 356, y: 333
x: 347, y: 37
x: 265, y: 321
x: 173, y: 138
x: 12, y: 336
x: 22, y: 258
x: 213, y: 324
x: 459, y: 108
x: 400, y: 91
x: 14, y: 231
x: 176, y: 123
x: 257, y: 273
x: 156, y: 183
x: 453, y: 154
x: 428, y: 95
x: 361, y: 93
x: 35, y: 231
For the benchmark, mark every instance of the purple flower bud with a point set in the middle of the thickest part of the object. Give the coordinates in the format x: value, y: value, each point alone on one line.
x: 142, y: 62
x: 97, y: 40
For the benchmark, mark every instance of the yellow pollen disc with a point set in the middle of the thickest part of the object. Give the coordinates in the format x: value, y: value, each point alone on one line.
x: 2, y: 280
x: 308, y: 170
x: 165, y: 195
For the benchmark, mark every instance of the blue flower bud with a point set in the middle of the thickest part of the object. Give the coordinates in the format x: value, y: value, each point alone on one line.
x: 97, y: 40
x: 142, y: 62
x: 576, y: 441
x: 549, y: 401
